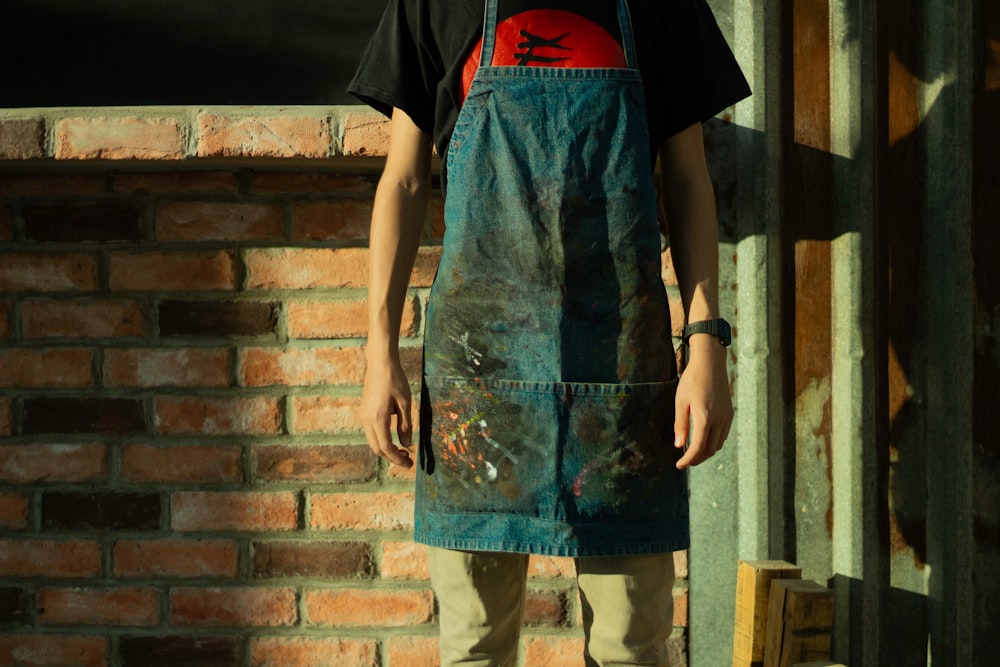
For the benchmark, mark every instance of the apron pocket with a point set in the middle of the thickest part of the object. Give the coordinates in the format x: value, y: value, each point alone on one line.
x: 562, y: 451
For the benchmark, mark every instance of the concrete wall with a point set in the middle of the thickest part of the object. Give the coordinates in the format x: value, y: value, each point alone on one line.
x: 858, y: 204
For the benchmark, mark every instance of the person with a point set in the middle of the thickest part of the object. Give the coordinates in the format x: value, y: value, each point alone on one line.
x: 550, y: 394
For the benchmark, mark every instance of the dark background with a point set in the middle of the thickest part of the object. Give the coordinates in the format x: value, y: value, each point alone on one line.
x: 59, y: 53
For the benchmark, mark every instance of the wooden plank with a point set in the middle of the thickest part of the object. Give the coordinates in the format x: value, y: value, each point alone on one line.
x: 799, y: 623
x: 753, y: 583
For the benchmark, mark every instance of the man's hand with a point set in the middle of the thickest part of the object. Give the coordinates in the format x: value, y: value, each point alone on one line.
x: 704, y: 406
x: 387, y: 395
x: 398, y: 216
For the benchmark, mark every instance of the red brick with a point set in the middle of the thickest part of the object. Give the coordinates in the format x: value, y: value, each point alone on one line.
x: 31, y: 185
x: 187, y: 464
x: 6, y: 225
x: 306, y: 268
x: 681, y: 564
x: 668, y: 273
x: 234, y: 510
x: 328, y: 560
x: 361, y: 511
x: 25, y: 368
x: 550, y: 651
x: 263, y: 136
x: 130, y: 138
x: 16, y: 604
x: 133, y: 607
x: 6, y: 417
x: 677, y: 645
x: 214, y: 221
x: 299, y: 182
x: 309, y: 652
x: 325, y: 414
x: 551, y: 567
x: 22, y: 139
x: 219, y: 416
x: 264, y: 367
x: 366, y: 134
x: 217, y: 319
x: 676, y: 314
x: 160, y: 271
x: 99, y: 510
x: 14, y: 511
x: 333, y: 414
x: 180, y: 181
x: 44, y: 414
x: 404, y: 560
x: 21, y: 464
x: 82, y: 318
x: 545, y: 608
x: 176, y: 558
x: 50, y: 650
x: 412, y: 359
x: 437, y: 226
x: 359, y: 608
x: 400, y: 474
x: 337, y: 464
x: 48, y: 273
x: 341, y: 319
x: 406, y: 651
x: 681, y: 607
x: 233, y: 607
x: 332, y: 220
x: 84, y: 221
x: 173, y: 651
x: 43, y: 558
x: 167, y: 367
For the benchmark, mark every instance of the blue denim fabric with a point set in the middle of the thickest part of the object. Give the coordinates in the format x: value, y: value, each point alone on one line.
x: 549, y: 376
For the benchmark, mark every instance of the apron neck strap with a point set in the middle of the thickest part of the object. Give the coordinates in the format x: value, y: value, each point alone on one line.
x: 490, y: 34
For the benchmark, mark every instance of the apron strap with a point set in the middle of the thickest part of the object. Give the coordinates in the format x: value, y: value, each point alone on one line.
x: 490, y: 34
x: 628, y: 41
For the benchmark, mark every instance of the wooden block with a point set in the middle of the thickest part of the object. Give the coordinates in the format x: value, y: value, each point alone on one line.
x: 799, y: 621
x: 753, y: 583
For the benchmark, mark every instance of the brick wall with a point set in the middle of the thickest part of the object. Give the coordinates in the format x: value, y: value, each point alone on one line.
x: 182, y: 327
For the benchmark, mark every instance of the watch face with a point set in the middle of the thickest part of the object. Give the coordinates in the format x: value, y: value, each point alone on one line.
x: 725, y: 332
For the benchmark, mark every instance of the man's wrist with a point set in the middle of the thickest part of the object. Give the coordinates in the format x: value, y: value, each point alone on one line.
x: 718, y: 329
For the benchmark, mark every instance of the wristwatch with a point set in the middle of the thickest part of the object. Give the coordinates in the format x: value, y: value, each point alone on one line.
x: 718, y: 328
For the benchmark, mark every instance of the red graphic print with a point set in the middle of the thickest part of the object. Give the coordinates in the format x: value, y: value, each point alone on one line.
x: 548, y: 38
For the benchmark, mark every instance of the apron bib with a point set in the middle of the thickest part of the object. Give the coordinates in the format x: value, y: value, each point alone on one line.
x: 549, y: 376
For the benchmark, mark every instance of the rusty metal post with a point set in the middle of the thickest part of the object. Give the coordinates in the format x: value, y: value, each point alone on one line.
x: 860, y: 523
x: 738, y: 497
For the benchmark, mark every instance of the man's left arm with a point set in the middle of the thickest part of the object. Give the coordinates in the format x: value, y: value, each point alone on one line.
x: 704, y: 407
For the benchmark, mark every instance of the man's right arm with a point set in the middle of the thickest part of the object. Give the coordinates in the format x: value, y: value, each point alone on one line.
x: 398, y: 216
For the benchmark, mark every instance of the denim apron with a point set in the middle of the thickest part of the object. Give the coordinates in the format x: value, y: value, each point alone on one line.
x: 549, y: 375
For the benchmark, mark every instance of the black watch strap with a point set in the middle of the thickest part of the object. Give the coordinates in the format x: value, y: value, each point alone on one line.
x: 718, y: 328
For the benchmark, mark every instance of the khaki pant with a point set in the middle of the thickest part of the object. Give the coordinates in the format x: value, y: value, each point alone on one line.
x: 627, y: 607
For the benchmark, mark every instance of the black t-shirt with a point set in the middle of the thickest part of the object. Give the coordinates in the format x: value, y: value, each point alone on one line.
x: 419, y: 58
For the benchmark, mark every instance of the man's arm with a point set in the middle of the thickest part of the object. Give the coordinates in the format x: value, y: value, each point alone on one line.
x: 704, y: 407
x: 398, y: 217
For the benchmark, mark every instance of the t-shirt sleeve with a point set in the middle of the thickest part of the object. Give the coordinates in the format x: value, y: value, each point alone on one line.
x: 706, y: 77
x: 395, y: 70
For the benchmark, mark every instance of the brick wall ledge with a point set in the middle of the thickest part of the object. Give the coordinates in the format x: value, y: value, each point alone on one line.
x: 185, y: 133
